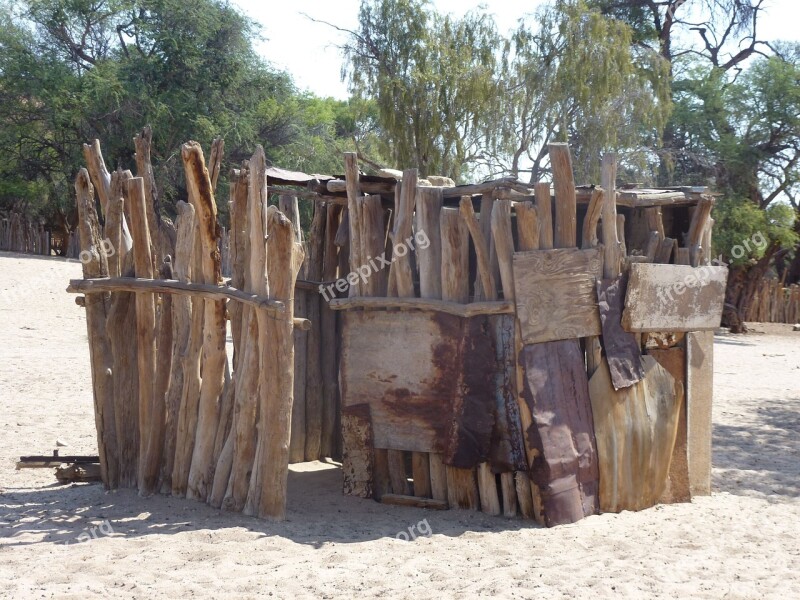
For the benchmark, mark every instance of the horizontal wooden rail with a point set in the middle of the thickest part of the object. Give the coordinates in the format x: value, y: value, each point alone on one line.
x: 170, y: 286
x: 451, y: 308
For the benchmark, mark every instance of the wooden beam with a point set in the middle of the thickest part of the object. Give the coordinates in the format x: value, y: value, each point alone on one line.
x: 170, y: 286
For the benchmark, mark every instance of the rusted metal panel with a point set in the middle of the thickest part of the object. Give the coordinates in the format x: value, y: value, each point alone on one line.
x: 622, y: 351
x: 556, y: 390
x: 435, y: 383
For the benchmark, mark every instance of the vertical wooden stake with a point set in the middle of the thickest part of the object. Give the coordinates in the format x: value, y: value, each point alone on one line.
x: 99, y: 348
x: 151, y: 417
x: 201, y: 196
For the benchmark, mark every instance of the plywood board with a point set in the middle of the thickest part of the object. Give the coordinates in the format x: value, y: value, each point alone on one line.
x: 555, y: 294
x: 674, y: 298
x: 556, y: 392
x: 402, y: 365
x: 635, y: 430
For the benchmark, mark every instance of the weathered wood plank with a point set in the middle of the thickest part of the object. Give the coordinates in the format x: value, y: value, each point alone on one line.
x: 678, y: 490
x: 674, y: 298
x: 543, y: 280
x: 699, y: 395
x: 635, y: 430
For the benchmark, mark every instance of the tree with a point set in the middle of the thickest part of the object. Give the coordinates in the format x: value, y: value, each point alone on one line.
x: 573, y: 76
x: 432, y: 78
x: 74, y: 70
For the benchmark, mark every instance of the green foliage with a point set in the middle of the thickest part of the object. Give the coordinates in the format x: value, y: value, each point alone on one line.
x: 738, y: 222
x: 75, y: 70
x: 432, y: 79
x: 575, y: 77
x: 454, y: 96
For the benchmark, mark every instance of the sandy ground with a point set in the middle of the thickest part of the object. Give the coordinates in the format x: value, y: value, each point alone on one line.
x: 742, y: 542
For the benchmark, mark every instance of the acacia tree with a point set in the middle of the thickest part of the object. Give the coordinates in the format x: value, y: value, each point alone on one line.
x: 734, y: 126
x: 74, y: 70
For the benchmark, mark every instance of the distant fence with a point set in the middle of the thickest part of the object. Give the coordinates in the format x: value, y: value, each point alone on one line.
x: 774, y: 303
x: 18, y: 234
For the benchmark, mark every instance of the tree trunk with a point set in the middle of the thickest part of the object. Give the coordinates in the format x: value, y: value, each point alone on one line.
x: 743, y: 281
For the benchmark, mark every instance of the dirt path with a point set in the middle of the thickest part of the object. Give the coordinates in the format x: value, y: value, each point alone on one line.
x: 743, y: 542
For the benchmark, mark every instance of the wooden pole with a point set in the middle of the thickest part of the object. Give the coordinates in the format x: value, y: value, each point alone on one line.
x: 611, y: 248
x: 329, y: 339
x: 504, y: 244
x: 99, y: 348
x: 267, y: 495
x: 314, y: 388
x: 544, y: 209
x: 566, y: 201
x: 354, y: 211
x: 201, y: 196
x: 151, y: 410
x: 181, y: 326
x: 247, y: 394
x: 121, y: 320
x: 458, y: 486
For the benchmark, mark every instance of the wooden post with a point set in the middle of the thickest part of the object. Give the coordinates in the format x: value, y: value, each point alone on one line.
x: 527, y: 226
x: 314, y: 388
x: 544, y: 210
x: 151, y: 415
x: 566, y: 203
x: 201, y: 196
x: 329, y: 339
x: 403, y: 231
x: 504, y: 244
x: 247, y: 392
x: 100, y: 352
x: 102, y: 185
x: 288, y: 205
x: 611, y: 249
x: 181, y: 326
x: 267, y: 495
x: 354, y: 209
x: 459, y: 486
x: 487, y: 487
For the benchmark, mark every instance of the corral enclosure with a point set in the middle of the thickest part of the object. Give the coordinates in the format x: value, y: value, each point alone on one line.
x: 539, y: 351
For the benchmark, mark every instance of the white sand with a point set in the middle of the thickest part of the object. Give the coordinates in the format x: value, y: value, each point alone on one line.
x: 740, y: 543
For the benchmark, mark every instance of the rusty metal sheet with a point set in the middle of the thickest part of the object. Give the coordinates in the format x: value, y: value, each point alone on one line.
x: 435, y: 383
x: 556, y: 390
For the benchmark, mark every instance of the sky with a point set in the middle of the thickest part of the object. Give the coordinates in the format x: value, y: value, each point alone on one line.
x: 309, y: 51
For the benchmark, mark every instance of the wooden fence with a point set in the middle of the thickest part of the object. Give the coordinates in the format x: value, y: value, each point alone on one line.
x: 17, y: 234
x: 174, y: 412
x: 774, y: 303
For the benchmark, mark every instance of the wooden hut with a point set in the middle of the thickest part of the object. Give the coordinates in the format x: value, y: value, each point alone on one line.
x: 538, y: 351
